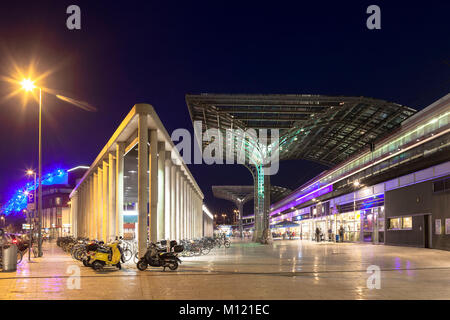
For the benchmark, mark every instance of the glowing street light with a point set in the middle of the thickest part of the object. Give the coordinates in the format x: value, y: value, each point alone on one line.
x: 27, y: 85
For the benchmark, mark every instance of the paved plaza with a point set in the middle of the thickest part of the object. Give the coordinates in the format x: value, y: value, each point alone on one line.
x: 285, y: 270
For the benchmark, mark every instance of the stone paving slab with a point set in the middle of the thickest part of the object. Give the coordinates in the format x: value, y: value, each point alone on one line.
x: 285, y: 270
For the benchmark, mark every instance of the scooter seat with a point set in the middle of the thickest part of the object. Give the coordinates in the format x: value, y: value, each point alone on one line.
x: 103, y: 250
x: 165, y: 255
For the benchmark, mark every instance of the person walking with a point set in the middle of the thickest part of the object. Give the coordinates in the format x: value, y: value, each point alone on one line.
x: 341, y: 234
x: 317, y: 234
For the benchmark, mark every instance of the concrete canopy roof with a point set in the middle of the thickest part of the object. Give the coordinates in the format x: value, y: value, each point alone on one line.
x: 323, y: 129
x: 127, y: 133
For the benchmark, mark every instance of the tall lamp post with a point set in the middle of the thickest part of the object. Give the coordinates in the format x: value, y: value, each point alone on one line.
x: 33, y: 173
x: 28, y: 85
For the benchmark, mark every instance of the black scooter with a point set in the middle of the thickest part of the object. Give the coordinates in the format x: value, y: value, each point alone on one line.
x: 159, y: 257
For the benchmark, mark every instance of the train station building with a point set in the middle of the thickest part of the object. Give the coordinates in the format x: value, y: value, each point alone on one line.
x: 389, y: 166
x: 396, y: 192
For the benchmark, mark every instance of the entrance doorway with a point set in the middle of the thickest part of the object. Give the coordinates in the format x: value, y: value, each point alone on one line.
x: 426, y: 231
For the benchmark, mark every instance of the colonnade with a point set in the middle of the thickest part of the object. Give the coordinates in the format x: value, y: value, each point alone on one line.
x: 169, y: 202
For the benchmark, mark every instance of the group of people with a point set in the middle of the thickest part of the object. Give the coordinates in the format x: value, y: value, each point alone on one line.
x: 319, y: 235
x: 285, y: 235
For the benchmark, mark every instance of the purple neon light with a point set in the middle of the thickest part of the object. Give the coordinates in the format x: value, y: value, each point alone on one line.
x: 304, y: 198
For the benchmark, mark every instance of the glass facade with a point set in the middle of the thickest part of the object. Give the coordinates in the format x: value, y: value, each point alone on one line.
x: 385, y: 156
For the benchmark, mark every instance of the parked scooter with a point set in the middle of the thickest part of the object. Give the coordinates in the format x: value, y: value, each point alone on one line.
x: 109, y: 255
x: 159, y: 257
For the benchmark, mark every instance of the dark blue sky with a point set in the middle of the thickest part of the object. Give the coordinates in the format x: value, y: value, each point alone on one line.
x: 157, y: 51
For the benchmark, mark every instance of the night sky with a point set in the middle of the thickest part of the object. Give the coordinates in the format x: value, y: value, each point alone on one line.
x: 157, y: 51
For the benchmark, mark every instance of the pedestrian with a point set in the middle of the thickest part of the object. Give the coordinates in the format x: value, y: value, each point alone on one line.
x: 317, y: 234
x: 341, y: 234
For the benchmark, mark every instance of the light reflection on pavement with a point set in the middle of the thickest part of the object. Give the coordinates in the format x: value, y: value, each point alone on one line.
x: 285, y: 270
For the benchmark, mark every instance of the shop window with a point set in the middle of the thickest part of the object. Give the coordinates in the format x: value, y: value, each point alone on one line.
x: 400, y: 223
x: 407, y: 222
x: 395, y: 223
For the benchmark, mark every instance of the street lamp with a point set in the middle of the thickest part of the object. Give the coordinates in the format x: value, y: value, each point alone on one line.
x: 29, y: 85
x: 31, y: 173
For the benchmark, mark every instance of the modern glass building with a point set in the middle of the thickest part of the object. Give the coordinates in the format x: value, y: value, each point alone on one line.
x: 395, y: 192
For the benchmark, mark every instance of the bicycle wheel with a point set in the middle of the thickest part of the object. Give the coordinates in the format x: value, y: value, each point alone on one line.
x: 127, y: 254
x: 136, y: 258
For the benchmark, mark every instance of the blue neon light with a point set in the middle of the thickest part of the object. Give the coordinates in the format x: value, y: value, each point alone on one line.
x: 304, y: 198
x: 18, y: 201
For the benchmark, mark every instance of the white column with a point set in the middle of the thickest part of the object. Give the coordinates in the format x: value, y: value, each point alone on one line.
x: 120, y: 148
x: 182, y: 212
x: 173, y: 211
x: 177, y: 202
x: 99, y: 203
x: 191, y: 224
x: 79, y: 213
x: 105, y: 220
x: 188, y: 204
x: 95, y: 206
x: 111, y: 197
x: 142, y: 183
x: 88, y: 208
x: 85, y: 209
x: 167, y: 191
x: 185, y: 207
x: 92, y: 228
x: 74, y: 213
x: 153, y: 188
x: 161, y: 190
x: 194, y: 234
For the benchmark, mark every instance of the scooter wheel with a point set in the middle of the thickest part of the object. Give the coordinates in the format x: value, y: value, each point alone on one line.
x: 173, y: 266
x: 97, y: 265
x: 142, y: 265
x: 86, y: 263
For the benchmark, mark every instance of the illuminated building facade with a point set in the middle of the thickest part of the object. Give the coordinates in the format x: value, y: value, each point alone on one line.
x: 266, y: 129
x: 396, y: 192
x: 56, y: 187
